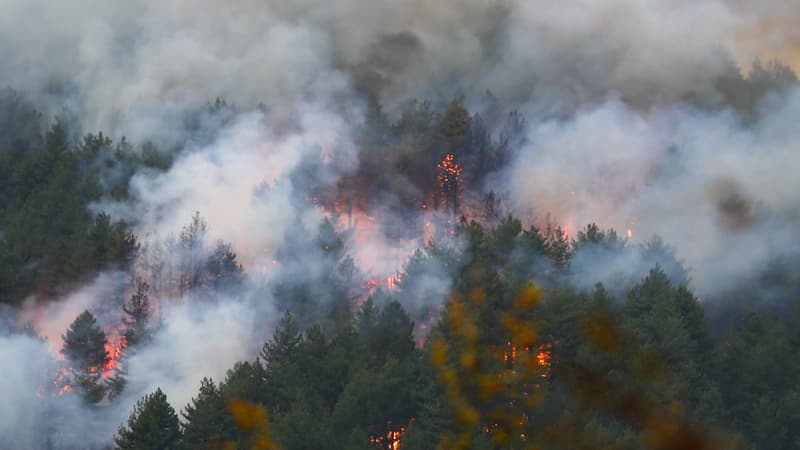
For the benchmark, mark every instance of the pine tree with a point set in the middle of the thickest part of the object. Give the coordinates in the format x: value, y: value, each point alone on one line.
x: 282, y: 373
x: 224, y: 273
x: 284, y: 342
x: 207, y: 423
x: 454, y: 125
x: 111, y: 245
x: 557, y: 247
x: 85, y: 351
x: 367, y: 320
x: 135, y: 333
x: 192, y: 248
x: 153, y: 425
x: 395, y: 332
x: 138, y: 315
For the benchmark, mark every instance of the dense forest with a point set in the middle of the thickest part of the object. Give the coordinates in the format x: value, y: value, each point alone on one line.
x: 485, y: 338
x: 481, y: 225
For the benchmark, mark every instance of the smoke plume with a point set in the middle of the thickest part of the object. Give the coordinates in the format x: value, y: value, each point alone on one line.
x: 626, y: 126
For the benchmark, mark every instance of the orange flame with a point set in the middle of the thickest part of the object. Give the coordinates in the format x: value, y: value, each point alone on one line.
x: 391, y: 441
x: 449, y: 170
x: 113, y: 353
x: 542, y: 356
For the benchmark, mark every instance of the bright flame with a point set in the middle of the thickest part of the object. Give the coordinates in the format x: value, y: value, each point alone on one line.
x: 449, y: 178
x: 391, y: 441
x: 113, y: 353
x: 393, y: 282
x: 542, y: 356
x: 449, y: 170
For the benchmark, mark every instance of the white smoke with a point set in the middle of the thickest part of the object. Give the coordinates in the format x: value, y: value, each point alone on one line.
x: 134, y: 68
x: 700, y: 180
x: 620, y: 152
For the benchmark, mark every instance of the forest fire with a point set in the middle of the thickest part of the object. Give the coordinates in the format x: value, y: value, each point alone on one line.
x: 113, y: 353
x: 64, y: 389
x: 390, y: 283
x: 449, y: 178
x: 58, y: 387
x: 64, y: 376
x: 449, y: 170
x: 393, y: 282
x: 390, y: 441
x: 542, y: 356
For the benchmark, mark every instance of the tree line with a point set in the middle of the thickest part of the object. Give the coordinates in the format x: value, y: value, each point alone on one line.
x: 515, y: 357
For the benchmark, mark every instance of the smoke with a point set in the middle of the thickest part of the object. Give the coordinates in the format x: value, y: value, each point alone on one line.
x: 610, y: 139
x: 20, y: 410
x: 52, y: 319
x: 724, y: 194
x: 195, y: 340
x: 241, y: 182
x: 136, y: 68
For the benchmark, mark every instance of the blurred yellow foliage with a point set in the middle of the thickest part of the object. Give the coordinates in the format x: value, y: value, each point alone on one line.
x: 479, y: 387
x: 251, y: 418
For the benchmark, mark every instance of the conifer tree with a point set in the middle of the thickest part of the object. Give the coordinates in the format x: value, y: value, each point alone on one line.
x: 138, y: 314
x: 136, y: 332
x: 224, y: 273
x: 153, y: 425
x: 207, y: 423
x: 85, y: 351
x: 192, y: 248
x: 284, y: 342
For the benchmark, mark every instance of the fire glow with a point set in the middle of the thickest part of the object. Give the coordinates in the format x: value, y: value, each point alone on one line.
x: 113, y: 354
x: 390, y: 441
x: 542, y: 356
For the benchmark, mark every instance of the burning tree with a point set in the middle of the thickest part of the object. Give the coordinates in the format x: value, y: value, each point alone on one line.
x: 85, y: 351
x: 136, y: 332
x: 448, y: 175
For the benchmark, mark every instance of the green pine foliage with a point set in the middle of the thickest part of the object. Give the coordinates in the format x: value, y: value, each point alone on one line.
x: 153, y: 425
x: 85, y: 353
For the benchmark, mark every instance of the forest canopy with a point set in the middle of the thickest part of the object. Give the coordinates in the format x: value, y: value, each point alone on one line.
x: 480, y: 225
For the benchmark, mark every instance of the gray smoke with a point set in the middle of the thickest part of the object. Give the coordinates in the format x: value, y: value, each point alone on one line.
x: 135, y: 68
x: 609, y: 140
x: 724, y: 194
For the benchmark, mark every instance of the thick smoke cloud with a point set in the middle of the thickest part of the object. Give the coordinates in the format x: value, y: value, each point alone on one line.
x: 134, y: 68
x: 702, y: 181
x: 20, y: 410
x: 242, y: 182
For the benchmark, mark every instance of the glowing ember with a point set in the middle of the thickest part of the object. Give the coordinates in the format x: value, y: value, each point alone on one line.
x: 60, y: 383
x: 449, y: 170
x: 371, y: 285
x: 449, y: 178
x: 568, y: 228
x: 390, y: 441
x: 542, y: 356
x: 393, y: 282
